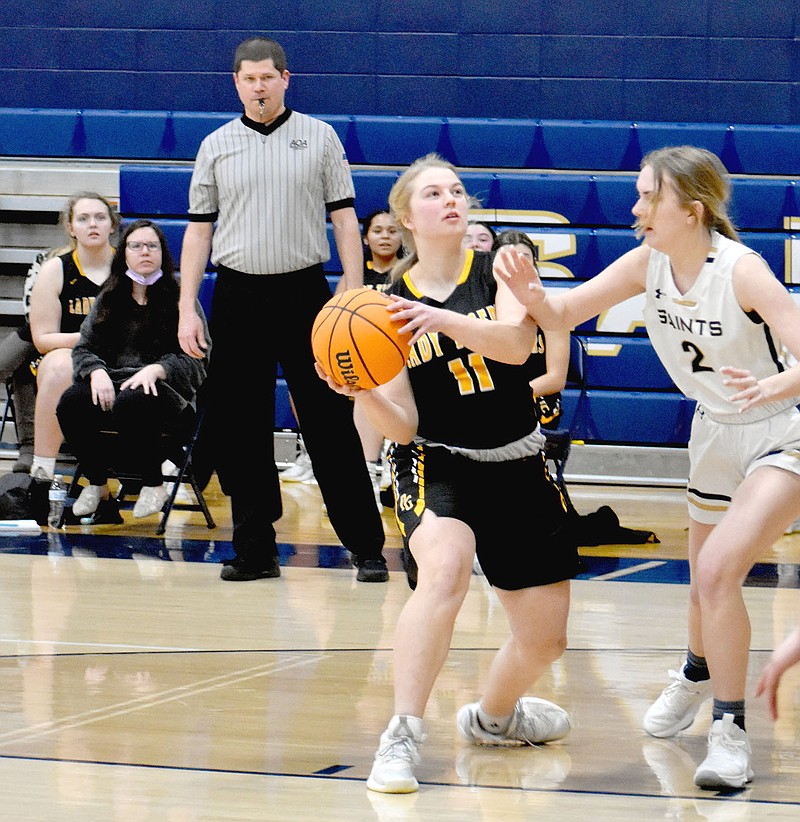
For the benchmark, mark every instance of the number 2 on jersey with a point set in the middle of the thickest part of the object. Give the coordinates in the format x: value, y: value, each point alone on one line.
x: 697, y: 359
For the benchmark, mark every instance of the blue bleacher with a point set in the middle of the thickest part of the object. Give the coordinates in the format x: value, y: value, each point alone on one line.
x: 592, y: 145
x: 632, y: 417
x: 578, y: 199
x: 623, y: 362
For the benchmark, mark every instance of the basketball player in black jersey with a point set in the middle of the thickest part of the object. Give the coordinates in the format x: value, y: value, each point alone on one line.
x: 468, y: 476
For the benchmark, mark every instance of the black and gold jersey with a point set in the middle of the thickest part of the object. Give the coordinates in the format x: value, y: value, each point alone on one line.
x: 375, y: 279
x: 77, y: 294
x: 463, y: 398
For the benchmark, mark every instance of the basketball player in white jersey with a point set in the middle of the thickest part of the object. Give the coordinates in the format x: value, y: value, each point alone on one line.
x: 717, y: 317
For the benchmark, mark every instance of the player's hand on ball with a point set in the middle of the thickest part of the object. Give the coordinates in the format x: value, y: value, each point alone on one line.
x: 416, y: 318
x: 344, y: 390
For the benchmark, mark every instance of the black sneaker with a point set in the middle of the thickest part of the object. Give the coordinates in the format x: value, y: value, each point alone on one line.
x: 372, y: 570
x: 237, y: 571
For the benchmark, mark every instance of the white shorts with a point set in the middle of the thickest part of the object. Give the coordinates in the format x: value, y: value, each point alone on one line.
x: 722, y: 455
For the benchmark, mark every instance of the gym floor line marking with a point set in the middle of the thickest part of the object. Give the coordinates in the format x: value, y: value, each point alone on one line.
x: 151, y: 700
x: 633, y: 569
x: 119, y: 646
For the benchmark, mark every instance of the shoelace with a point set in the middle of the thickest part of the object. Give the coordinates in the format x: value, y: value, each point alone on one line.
x: 724, y: 739
x: 678, y: 687
x: 524, y: 727
x: 400, y: 747
x: 732, y: 745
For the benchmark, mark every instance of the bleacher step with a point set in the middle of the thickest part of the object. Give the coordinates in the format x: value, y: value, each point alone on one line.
x: 627, y: 465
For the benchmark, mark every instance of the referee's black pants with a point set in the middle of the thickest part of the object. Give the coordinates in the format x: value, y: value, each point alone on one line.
x: 256, y: 323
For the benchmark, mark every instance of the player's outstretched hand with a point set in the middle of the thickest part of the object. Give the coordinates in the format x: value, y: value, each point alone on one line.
x: 518, y: 273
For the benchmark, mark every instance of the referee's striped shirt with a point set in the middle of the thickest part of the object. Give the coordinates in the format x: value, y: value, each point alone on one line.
x: 267, y: 187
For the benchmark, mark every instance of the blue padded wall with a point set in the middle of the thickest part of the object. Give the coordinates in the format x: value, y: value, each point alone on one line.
x: 726, y: 61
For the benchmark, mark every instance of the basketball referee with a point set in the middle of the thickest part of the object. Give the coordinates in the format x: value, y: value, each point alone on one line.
x: 257, y: 203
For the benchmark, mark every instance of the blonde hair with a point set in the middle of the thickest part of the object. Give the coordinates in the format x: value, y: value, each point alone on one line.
x: 400, y: 205
x: 697, y: 175
x: 65, y: 218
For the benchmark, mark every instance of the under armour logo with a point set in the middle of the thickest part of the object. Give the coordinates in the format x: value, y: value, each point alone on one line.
x: 659, y: 294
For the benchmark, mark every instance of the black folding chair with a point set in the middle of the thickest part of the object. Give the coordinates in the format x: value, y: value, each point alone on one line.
x: 9, y: 412
x: 179, y: 451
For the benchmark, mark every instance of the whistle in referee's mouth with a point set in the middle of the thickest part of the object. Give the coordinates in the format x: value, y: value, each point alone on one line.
x: 261, y: 106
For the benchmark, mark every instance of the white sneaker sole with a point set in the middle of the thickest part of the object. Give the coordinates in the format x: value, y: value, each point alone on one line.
x: 710, y: 780
x: 394, y: 786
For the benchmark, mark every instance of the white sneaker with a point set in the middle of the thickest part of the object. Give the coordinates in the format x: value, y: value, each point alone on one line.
x: 677, y: 706
x: 301, y: 471
x: 728, y: 762
x: 150, y: 501
x: 89, y: 500
x: 398, y: 753
x: 169, y: 469
x: 533, y: 722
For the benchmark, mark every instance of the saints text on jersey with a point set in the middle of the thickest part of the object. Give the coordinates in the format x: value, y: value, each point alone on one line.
x: 693, y: 325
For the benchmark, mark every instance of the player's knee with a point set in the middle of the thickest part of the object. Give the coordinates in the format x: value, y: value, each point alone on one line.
x: 715, y: 578
x: 446, y: 576
x: 55, y: 369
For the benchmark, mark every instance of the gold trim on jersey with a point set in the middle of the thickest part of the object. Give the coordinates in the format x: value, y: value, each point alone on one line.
x: 462, y: 277
x: 78, y: 262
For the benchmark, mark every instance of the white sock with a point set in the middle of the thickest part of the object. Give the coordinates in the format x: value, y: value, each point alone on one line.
x: 47, y: 464
x: 493, y: 724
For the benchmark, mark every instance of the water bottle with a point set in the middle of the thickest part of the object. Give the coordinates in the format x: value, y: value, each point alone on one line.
x: 58, y: 497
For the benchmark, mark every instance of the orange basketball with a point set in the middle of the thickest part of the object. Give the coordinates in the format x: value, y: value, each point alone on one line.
x: 355, y: 340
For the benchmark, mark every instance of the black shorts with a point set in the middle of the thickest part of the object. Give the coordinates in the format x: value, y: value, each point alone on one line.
x: 516, y: 511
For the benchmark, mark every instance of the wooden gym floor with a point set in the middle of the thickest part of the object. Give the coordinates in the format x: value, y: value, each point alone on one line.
x: 136, y: 685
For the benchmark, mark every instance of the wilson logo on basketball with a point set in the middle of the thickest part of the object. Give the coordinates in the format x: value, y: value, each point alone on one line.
x: 344, y: 365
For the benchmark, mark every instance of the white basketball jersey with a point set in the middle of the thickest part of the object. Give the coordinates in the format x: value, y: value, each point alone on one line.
x: 698, y: 332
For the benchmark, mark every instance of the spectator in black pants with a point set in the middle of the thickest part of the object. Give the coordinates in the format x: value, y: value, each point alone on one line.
x: 260, y: 190
x: 130, y: 375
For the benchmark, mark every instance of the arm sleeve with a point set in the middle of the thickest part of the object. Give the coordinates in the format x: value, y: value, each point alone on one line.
x: 203, y: 194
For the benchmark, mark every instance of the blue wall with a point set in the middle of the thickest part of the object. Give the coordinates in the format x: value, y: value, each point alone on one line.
x: 710, y: 60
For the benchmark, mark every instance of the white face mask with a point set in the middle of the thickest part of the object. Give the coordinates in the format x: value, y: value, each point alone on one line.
x: 138, y: 278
